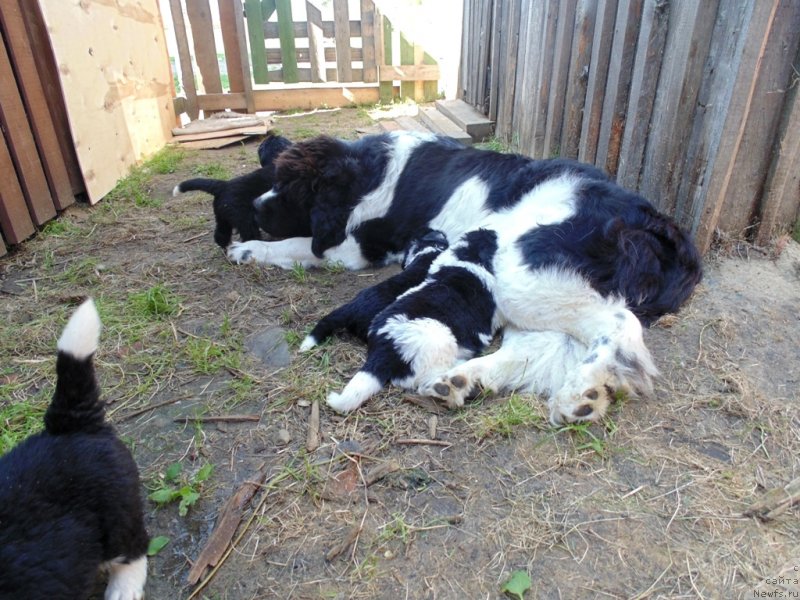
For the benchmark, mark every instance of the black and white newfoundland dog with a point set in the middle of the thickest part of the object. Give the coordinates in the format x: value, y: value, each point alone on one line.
x: 233, y: 199
x: 69, y: 496
x: 581, y: 263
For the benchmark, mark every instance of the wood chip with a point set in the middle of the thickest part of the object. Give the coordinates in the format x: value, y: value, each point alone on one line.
x: 342, y: 546
x: 776, y: 501
x: 312, y: 436
x: 432, y: 423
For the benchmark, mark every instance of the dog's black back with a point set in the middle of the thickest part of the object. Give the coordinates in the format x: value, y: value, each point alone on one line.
x: 356, y: 315
x: 233, y: 199
x: 69, y: 496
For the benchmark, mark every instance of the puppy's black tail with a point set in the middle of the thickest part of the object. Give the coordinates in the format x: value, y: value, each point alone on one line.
x: 76, y: 405
x: 200, y: 184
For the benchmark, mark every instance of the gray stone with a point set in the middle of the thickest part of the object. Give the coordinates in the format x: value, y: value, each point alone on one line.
x: 270, y: 347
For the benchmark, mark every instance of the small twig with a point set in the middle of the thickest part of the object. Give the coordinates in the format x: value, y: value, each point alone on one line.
x: 423, y: 442
x: 312, y: 435
x: 380, y: 472
x: 136, y: 413
x: 219, y: 419
x: 194, y: 237
x: 342, y: 546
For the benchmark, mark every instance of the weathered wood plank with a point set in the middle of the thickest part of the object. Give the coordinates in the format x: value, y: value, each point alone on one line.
x: 205, y: 51
x: 511, y: 127
x: 367, y: 42
x: 598, y: 75
x: 384, y: 51
x: 288, y: 52
x: 510, y: 55
x: 781, y: 197
x: 578, y: 77
x: 407, y: 60
x: 48, y: 72
x: 299, y: 29
x: 632, y: 20
x: 184, y: 59
x: 233, y: 59
x: 341, y: 19
x: 316, y: 47
x: 688, y: 40
x: 542, y: 96
x: 22, y: 146
x: 558, y: 89
x: 299, y: 96
x: 36, y: 103
x: 525, y: 120
x: 627, y: 162
x: 244, y: 58
x: 15, y: 220
x: 775, y: 74
x: 255, y: 33
x: 496, y: 55
x: 3, y: 250
x: 714, y: 98
x: 721, y: 171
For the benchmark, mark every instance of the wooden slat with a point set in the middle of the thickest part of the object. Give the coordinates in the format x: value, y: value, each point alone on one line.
x: 255, y: 33
x: 652, y: 36
x: 527, y: 84
x: 233, y: 59
x: 22, y: 146
x: 48, y: 73
x: 499, y: 12
x: 274, y: 56
x: 304, y: 75
x: 284, y: 9
x: 384, y: 51
x: 598, y: 74
x: 368, y: 42
x: 341, y: 17
x: 36, y: 103
x: 15, y: 219
x: 410, y: 73
x: 205, y: 51
x: 782, y: 190
x: 3, y: 250
x: 517, y: 79
x: 184, y: 58
x: 708, y: 120
x: 299, y: 29
x: 558, y: 89
x: 685, y: 53
x: 244, y: 58
x: 776, y: 73
x: 299, y: 97
x: 721, y: 172
x: 407, y: 60
x: 545, y: 69
x: 316, y: 49
x: 510, y: 52
x: 578, y: 77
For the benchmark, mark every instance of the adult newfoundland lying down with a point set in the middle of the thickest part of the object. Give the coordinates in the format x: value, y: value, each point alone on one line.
x: 576, y: 253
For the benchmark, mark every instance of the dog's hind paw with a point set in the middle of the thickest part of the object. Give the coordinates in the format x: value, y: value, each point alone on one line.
x: 308, y: 343
x: 241, y: 252
x: 126, y: 580
x: 453, y: 388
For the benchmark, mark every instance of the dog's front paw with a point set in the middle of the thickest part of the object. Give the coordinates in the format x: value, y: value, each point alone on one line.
x: 454, y: 388
x: 308, y: 343
x: 244, y: 252
x: 572, y: 405
x: 126, y: 580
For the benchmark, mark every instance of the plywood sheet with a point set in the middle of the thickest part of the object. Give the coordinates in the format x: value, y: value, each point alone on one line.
x: 114, y: 70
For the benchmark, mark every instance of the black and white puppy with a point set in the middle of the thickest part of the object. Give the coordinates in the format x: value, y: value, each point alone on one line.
x: 449, y: 317
x: 69, y: 496
x: 233, y: 199
x: 356, y: 315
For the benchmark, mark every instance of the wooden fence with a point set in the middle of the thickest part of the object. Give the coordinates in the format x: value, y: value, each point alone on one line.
x: 39, y: 171
x: 275, y: 62
x: 692, y: 102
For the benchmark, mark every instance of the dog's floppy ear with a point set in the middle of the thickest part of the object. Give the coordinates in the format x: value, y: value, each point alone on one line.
x: 309, y: 159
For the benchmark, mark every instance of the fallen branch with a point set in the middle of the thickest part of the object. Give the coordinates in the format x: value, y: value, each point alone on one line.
x: 229, y: 520
x: 312, y: 436
x: 342, y: 546
x: 136, y: 413
x: 423, y: 442
x: 776, y: 501
x: 380, y: 472
x: 219, y: 419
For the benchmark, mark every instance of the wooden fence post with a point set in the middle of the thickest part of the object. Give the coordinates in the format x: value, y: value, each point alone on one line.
x: 185, y: 58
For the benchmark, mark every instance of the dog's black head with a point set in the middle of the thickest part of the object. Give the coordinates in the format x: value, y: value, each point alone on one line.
x: 271, y: 147
x: 426, y: 239
x: 312, y: 193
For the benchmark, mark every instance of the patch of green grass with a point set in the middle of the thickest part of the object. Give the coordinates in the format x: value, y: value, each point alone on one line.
x: 293, y: 338
x: 396, y: 529
x: 81, y: 272
x: 20, y: 418
x: 166, y: 160
x: 212, y: 170
x: 135, y: 187
x: 60, y: 228
x: 796, y: 231
x: 495, y: 144
x: 302, y: 133
x: 173, y: 485
x: 504, y: 418
x: 334, y: 267
x: 207, y: 356
x: 585, y: 439
x: 299, y: 273
x: 156, y: 302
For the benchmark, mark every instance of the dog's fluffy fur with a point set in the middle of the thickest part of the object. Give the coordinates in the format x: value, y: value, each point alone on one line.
x: 448, y: 317
x: 233, y: 199
x: 577, y: 254
x: 356, y: 315
x: 69, y: 496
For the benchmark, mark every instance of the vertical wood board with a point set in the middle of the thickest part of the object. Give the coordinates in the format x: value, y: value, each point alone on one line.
x: 230, y: 43
x: 205, y: 51
x: 15, y: 219
x: 341, y: 19
x: 184, y: 58
x: 118, y: 96
x: 286, y: 35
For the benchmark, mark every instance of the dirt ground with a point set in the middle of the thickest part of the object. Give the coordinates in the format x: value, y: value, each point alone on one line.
x: 402, y: 499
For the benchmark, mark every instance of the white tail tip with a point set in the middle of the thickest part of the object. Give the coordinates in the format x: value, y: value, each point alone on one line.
x: 176, y: 190
x: 308, y: 343
x: 82, y: 333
